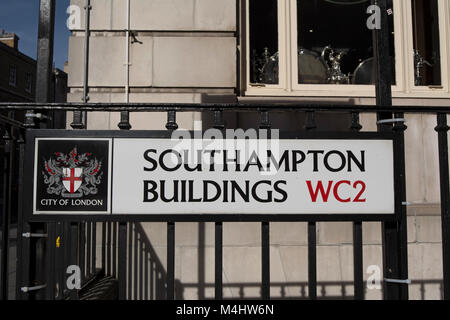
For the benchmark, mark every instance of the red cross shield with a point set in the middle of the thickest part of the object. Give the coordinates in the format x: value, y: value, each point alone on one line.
x: 72, y: 179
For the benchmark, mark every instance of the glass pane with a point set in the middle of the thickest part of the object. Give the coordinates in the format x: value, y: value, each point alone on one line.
x: 427, y: 57
x: 334, y: 43
x: 263, y: 41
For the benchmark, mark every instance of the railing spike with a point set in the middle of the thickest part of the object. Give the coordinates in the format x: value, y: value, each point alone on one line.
x: 310, y: 120
x: 219, y: 122
x: 356, y: 125
x: 265, y: 120
x: 171, y: 120
x: 124, y: 123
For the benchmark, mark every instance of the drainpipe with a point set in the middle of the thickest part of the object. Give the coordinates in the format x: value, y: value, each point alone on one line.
x: 125, y: 115
x: 80, y: 118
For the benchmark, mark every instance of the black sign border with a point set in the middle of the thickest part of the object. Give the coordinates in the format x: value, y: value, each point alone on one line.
x: 28, y: 181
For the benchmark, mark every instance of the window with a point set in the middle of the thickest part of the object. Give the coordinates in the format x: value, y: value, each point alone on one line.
x: 264, y: 41
x: 29, y: 83
x: 12, y: 76
x: 426, y: 42
x: 324, y: 47
x: 335, y: 46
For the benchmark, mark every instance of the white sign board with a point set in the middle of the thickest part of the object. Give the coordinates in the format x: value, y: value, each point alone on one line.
x: 161, y: 176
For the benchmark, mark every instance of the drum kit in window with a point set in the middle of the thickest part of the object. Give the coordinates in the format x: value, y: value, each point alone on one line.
x: 314, y: 68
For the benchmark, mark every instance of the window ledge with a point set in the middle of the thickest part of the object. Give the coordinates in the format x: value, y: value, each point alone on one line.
x: 396, y: 100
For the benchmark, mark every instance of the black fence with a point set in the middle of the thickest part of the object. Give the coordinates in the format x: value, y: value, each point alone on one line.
x: 130, y: 268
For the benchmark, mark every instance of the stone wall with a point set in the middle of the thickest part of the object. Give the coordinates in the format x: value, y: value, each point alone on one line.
x: 182, y: 49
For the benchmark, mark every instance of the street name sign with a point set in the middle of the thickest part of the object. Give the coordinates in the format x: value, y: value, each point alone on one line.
x: 128, y: 175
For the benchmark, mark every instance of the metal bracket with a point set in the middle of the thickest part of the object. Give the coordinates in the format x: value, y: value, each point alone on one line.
x: 387, y: 121
x: 398, y: 281
x: 35, y: 288
x: 34, y: 235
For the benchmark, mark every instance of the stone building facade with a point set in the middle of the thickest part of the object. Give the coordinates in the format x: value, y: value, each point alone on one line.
x: 205, y: 51
x: 18, y: 78
x: 18, y: 71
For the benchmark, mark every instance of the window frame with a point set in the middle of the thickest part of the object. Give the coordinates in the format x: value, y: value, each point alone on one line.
x: 444, y: 34
x: 282, y: 67
x: 404, y: 62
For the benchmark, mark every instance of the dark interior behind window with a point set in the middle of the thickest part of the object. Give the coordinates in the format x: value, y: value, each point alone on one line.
x: 263, y: 41
x: 335, y: 33
x: 427, y: 62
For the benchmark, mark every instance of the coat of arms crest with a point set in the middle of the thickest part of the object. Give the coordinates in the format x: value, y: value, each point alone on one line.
x: 72, y: 175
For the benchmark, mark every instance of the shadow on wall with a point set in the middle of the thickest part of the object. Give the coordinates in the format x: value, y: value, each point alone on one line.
x: 148, y: 281
x: 299, y: 290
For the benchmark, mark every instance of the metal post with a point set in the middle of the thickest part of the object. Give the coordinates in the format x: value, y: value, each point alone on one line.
x: 114, y: 249
x: 170, y: 260
x: 94, y: 247
x: 218, y: 260
x: 146, y: 280
x: 135, y: 263
x: 23, y: 245
x: 141, y: 266
x: 219, y: 124
x: 122, y: 265
x: 131, y: 229
x: 82, y: 249
x: 61, y: 246
x: 201, y: 261
x: 394, y: 233
x: 400, y: 207
x: 358, y: 277
x: 44, y: 94
x: 104, y: 247
x: 312, y: 261
x: 5, y: 216
x: 442, y: 129
x: 383, y: 72
x: 50, y: 257
x: 108, y: 249
x: 89, y: 243
x: 73, y: 258
x: 265, y: 227
x: 265, y: 260
x: 45, y: 51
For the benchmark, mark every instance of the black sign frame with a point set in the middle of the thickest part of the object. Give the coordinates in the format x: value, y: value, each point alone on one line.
x: 28, y: 181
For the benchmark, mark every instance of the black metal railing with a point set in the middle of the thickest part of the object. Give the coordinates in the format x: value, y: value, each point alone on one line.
x: 127, y: 254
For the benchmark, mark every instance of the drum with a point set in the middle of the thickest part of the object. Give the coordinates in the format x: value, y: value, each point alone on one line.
x: 311, y: 68
x: 365, y: 72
